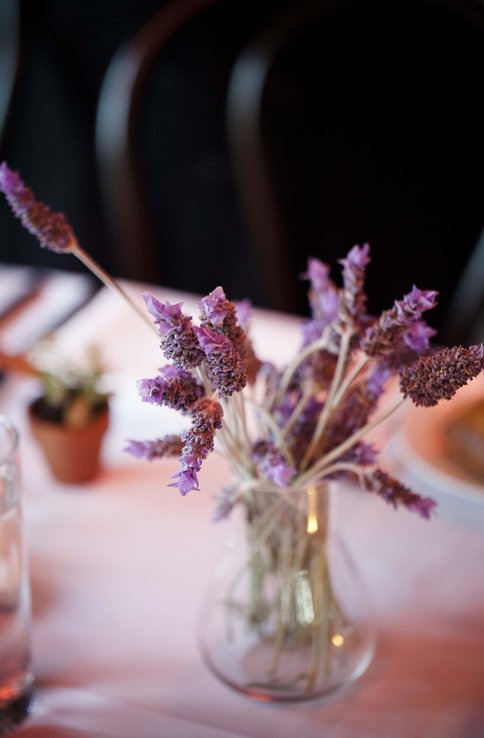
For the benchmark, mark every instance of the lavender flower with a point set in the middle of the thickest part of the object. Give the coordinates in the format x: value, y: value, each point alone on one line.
x: 353, y: 298
x: 222, y: 316
x: 175, y: 388
x: 401, y: 327
x: 244, y: 345
x: 397, y: 493
x: 412, y: 306
x: 198, y: 442
x: 178, y: 340
x: 170, y: 445
x: 151, y: 390
x: 225, y: 368
x: 417, y: 337
x: 187, y: 481
x: 167, y: 316
x: 51, y: 229
x: 438, y: 377
x: 322, y: 295
x: 323, y: 300
x: 311, y: 331
x: 363, y: 454
x: 333, y: 307
x: 215, y: 308
x: 271, y: 464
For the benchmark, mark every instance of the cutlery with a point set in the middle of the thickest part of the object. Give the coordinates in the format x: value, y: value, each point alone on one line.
x: 54, y: 299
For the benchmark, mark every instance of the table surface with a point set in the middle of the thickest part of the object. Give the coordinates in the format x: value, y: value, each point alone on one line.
x: 119, y: 566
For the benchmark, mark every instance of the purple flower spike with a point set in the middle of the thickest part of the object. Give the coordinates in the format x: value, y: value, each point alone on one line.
x: 311, y: 331
x: 199, y: 439
x: 51, y: 229
x: 211, y: 341
x: 415, y: 303
x: 169, y: 371
x: 215, y: 307
x: 167, y: 315
x: 170, y: 445
x: 272, y: 464
x: 353, y: 302
x: 323, y: 300
x: 151, y: 390
x: 417, y: 337
x: 397, y: 494
x: 323, y: 295
x: 178, y: 341
x: 198, y: 442
x: 223, y: 317
x: 226, y: 368
x: 220, y: 314
x: 355, y: 263
x: 281, y: 474
x: 438, y: 377
x: 187, y: 481
x: 401, y: 327
x: 317, y: 273
x: 180, y: 390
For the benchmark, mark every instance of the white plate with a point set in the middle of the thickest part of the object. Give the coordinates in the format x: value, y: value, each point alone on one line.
x: 421, y: 446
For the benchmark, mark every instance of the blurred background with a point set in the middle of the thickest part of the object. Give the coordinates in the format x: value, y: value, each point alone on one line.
x: 195, y: 143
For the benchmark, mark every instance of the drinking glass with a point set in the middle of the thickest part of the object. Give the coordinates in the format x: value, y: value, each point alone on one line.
x: 15, y: 612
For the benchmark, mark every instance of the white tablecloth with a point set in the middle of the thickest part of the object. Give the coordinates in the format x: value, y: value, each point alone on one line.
x: 119, y: 567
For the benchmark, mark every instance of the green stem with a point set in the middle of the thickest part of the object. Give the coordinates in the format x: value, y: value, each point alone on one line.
x: 291, y: 368
x: 233, y: 452
x: 110, y: 283
x: 271, y: 424
x: 239, y: 406
x: 313, y: 472
x: 286, y: 575
x: 296, y: 413
x: 350, y: 377
x: 325, y: 414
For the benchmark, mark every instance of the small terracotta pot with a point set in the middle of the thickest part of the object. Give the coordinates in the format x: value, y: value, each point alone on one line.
x: 73, y: 454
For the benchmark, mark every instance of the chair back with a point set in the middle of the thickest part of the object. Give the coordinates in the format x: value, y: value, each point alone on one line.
x: 124, y: 190
x: 381, y: 145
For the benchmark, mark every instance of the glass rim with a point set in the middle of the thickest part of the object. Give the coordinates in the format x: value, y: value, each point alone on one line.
x: 11, y: 436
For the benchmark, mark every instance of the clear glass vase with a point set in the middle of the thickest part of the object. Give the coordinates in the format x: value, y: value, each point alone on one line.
x: 286, y: 616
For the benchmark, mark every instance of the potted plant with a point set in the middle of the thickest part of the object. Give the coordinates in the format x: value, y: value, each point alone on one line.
x: 70, y: 417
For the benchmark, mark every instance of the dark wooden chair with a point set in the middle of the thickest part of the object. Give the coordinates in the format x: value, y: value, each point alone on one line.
x: 118, y: 137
